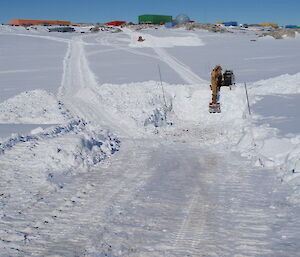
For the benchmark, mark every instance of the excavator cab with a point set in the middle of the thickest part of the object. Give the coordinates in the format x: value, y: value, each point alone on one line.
x: 140, y: 39
x: 228, y: 78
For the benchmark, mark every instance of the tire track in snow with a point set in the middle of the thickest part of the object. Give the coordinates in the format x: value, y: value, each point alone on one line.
x: 193, y: 227
x: 112, y: 43
x: 93, y: 202
x: 180, y: 68
x: 76, y: 77
x: 79, y: 87
x: 57, y: 39
x: 76, y: 73
x: 185, y: 236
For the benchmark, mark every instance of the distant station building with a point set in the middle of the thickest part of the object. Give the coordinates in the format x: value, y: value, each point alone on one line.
x: 115, y: 23
x: 266, y: 24
x: 230, y: 23
x: 154, y: 19
x: 227, y: 23
x: 22, y: 22
x: 290, y: 26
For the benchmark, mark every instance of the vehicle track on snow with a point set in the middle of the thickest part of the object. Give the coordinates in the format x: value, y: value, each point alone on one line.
x: 57, y: 39
x: 79, y: 88
x: 179, y: 67
x: 109, y: 40
x: 85, y: 216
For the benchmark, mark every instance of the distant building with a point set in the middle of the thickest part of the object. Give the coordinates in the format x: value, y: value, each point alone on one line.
x: 21, y: 22
x: 254, y: 25
x: 170, y: 24
x: 291, y: 26
x: 83, y: 24
x: 154, y: 19
x: 275, y: 25
x: 230, y: 23
x: 115, y: 23
x: 227, y: 23
x: 61, y: 29
x: 182, y: 19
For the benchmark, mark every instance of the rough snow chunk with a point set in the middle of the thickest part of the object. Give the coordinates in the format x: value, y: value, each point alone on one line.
x: 31, y: 107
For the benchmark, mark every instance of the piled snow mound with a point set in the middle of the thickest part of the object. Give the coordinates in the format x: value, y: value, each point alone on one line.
x: 143, y: 105
x: 284, y: 84
x: 75, y: 146
x: 154, y: 41
x: 46, y: 165
x: 32, y: 107
x: 79, y: 150
x: 134, y: 106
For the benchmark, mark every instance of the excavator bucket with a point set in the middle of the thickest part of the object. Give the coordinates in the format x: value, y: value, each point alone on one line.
x: 214, y: 108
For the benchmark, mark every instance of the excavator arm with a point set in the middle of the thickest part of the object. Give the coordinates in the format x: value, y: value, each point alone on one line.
x: 218, y: 80
x: 216, y: 83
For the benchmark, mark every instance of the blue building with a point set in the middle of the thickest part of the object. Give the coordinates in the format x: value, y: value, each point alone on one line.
x: 291, y: 26
x: 230, y: 23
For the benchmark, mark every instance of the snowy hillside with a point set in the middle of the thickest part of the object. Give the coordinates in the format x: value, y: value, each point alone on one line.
x: 107, y: 147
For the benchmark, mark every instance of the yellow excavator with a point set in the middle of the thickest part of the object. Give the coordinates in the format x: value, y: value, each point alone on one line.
x: 217, y: 81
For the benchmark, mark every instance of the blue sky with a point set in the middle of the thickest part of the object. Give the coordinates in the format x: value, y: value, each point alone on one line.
x: 255, y: 11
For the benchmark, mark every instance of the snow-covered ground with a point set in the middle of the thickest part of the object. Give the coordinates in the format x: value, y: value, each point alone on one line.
x: 104, y: 159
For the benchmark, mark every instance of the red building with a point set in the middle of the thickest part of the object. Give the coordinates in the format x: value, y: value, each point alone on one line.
x: 115, y: 23
x: 21, y: 22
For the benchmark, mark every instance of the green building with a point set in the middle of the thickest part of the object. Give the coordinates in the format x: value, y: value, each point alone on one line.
x: 154, y: 19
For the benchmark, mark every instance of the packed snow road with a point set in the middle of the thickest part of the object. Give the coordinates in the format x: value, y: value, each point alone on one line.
x: 141, y: 168
x: 159, y: 199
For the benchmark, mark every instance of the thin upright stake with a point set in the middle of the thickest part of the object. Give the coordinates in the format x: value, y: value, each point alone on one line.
x: 247, y: 98
x: 162, y: 87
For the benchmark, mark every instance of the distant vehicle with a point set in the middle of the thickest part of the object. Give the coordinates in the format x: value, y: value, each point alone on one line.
x: 61, y: 29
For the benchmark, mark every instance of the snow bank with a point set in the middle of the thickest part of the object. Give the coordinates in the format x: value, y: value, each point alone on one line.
x: 263, y: 144
x: 135, y: 106
x: 284, y: 84
x: 144, y: 106
x: 32, y: 107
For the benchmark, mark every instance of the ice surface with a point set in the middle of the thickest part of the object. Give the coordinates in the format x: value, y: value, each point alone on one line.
x: 251, y: 61
x: 29, y: 63
x: 280, y: 111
